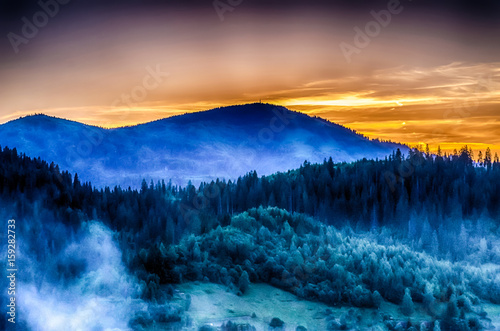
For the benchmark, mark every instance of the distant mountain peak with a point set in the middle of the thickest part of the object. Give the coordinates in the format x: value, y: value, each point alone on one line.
x: 240, y: 113
x: 224, y: 142
x: 40, y: 119
x: 36, y: 116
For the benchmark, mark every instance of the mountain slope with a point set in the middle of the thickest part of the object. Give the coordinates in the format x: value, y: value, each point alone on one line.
x: 223, y: 142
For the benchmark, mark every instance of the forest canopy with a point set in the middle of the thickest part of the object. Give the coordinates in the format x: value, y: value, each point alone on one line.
x: 399, y: 229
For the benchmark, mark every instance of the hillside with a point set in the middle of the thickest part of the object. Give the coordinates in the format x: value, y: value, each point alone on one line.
x: 119, y: 255
x: 219, y: 143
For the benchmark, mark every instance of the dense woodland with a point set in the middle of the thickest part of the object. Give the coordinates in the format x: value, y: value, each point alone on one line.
x: 419, y: 192
x: 400, y: 229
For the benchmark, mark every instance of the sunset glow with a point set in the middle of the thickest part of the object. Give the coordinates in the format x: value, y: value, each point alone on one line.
x: 421, y: 79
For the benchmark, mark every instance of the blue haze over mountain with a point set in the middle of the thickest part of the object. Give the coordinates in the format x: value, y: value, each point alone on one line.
x: 218, y: 143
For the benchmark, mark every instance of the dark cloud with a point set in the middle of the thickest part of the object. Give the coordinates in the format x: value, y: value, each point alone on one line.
x: 466, y: 8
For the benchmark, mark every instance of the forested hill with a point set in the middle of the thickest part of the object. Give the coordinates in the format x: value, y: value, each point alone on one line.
x: 433, y: 223
x: 219, y: 143
x: 406, y: 192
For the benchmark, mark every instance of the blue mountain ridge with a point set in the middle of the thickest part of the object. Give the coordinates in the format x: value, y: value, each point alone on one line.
x: 219, y: 143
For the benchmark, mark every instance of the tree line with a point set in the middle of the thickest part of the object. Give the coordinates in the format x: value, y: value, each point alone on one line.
x: 406, y: 192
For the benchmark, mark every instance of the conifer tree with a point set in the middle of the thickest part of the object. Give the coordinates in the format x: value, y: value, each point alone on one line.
x: 407, y: 304
x: 487, y: 158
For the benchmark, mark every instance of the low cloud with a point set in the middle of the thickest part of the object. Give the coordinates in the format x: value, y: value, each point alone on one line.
x: 95, y: 291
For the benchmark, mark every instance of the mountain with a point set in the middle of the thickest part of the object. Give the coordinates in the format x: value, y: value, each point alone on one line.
x: 219, y: 143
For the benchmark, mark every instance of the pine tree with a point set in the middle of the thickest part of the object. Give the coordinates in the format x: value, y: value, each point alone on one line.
x: 429, y: 300
x: 243, y: 282
x: 377, y: 299
x: 407, y: 304
x: 452, y: 308
x: 487, y: 158
x: 463, y: 242
x: 374, y: 223
x: 434, y: 244
x: 426, y: 235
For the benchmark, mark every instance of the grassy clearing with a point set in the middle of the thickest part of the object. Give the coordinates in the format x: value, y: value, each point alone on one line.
x: 213, y: 304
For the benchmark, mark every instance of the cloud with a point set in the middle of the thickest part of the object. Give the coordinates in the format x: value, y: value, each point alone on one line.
x: 101, y: 296
x: 454, y: 104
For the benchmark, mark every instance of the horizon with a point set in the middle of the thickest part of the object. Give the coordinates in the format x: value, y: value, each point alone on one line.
x: 445, y: 148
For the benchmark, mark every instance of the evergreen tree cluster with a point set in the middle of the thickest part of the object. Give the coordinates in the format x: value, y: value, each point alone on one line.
x: 278, y: 229
x: 428, y: 197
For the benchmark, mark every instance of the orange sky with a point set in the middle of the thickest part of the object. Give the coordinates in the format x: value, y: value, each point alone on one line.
x: 419, y: 80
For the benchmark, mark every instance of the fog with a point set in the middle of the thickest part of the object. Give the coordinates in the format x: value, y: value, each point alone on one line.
x: 99, y: 297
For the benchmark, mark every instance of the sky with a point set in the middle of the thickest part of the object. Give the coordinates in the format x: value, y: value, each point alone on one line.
x: 408, y: 71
